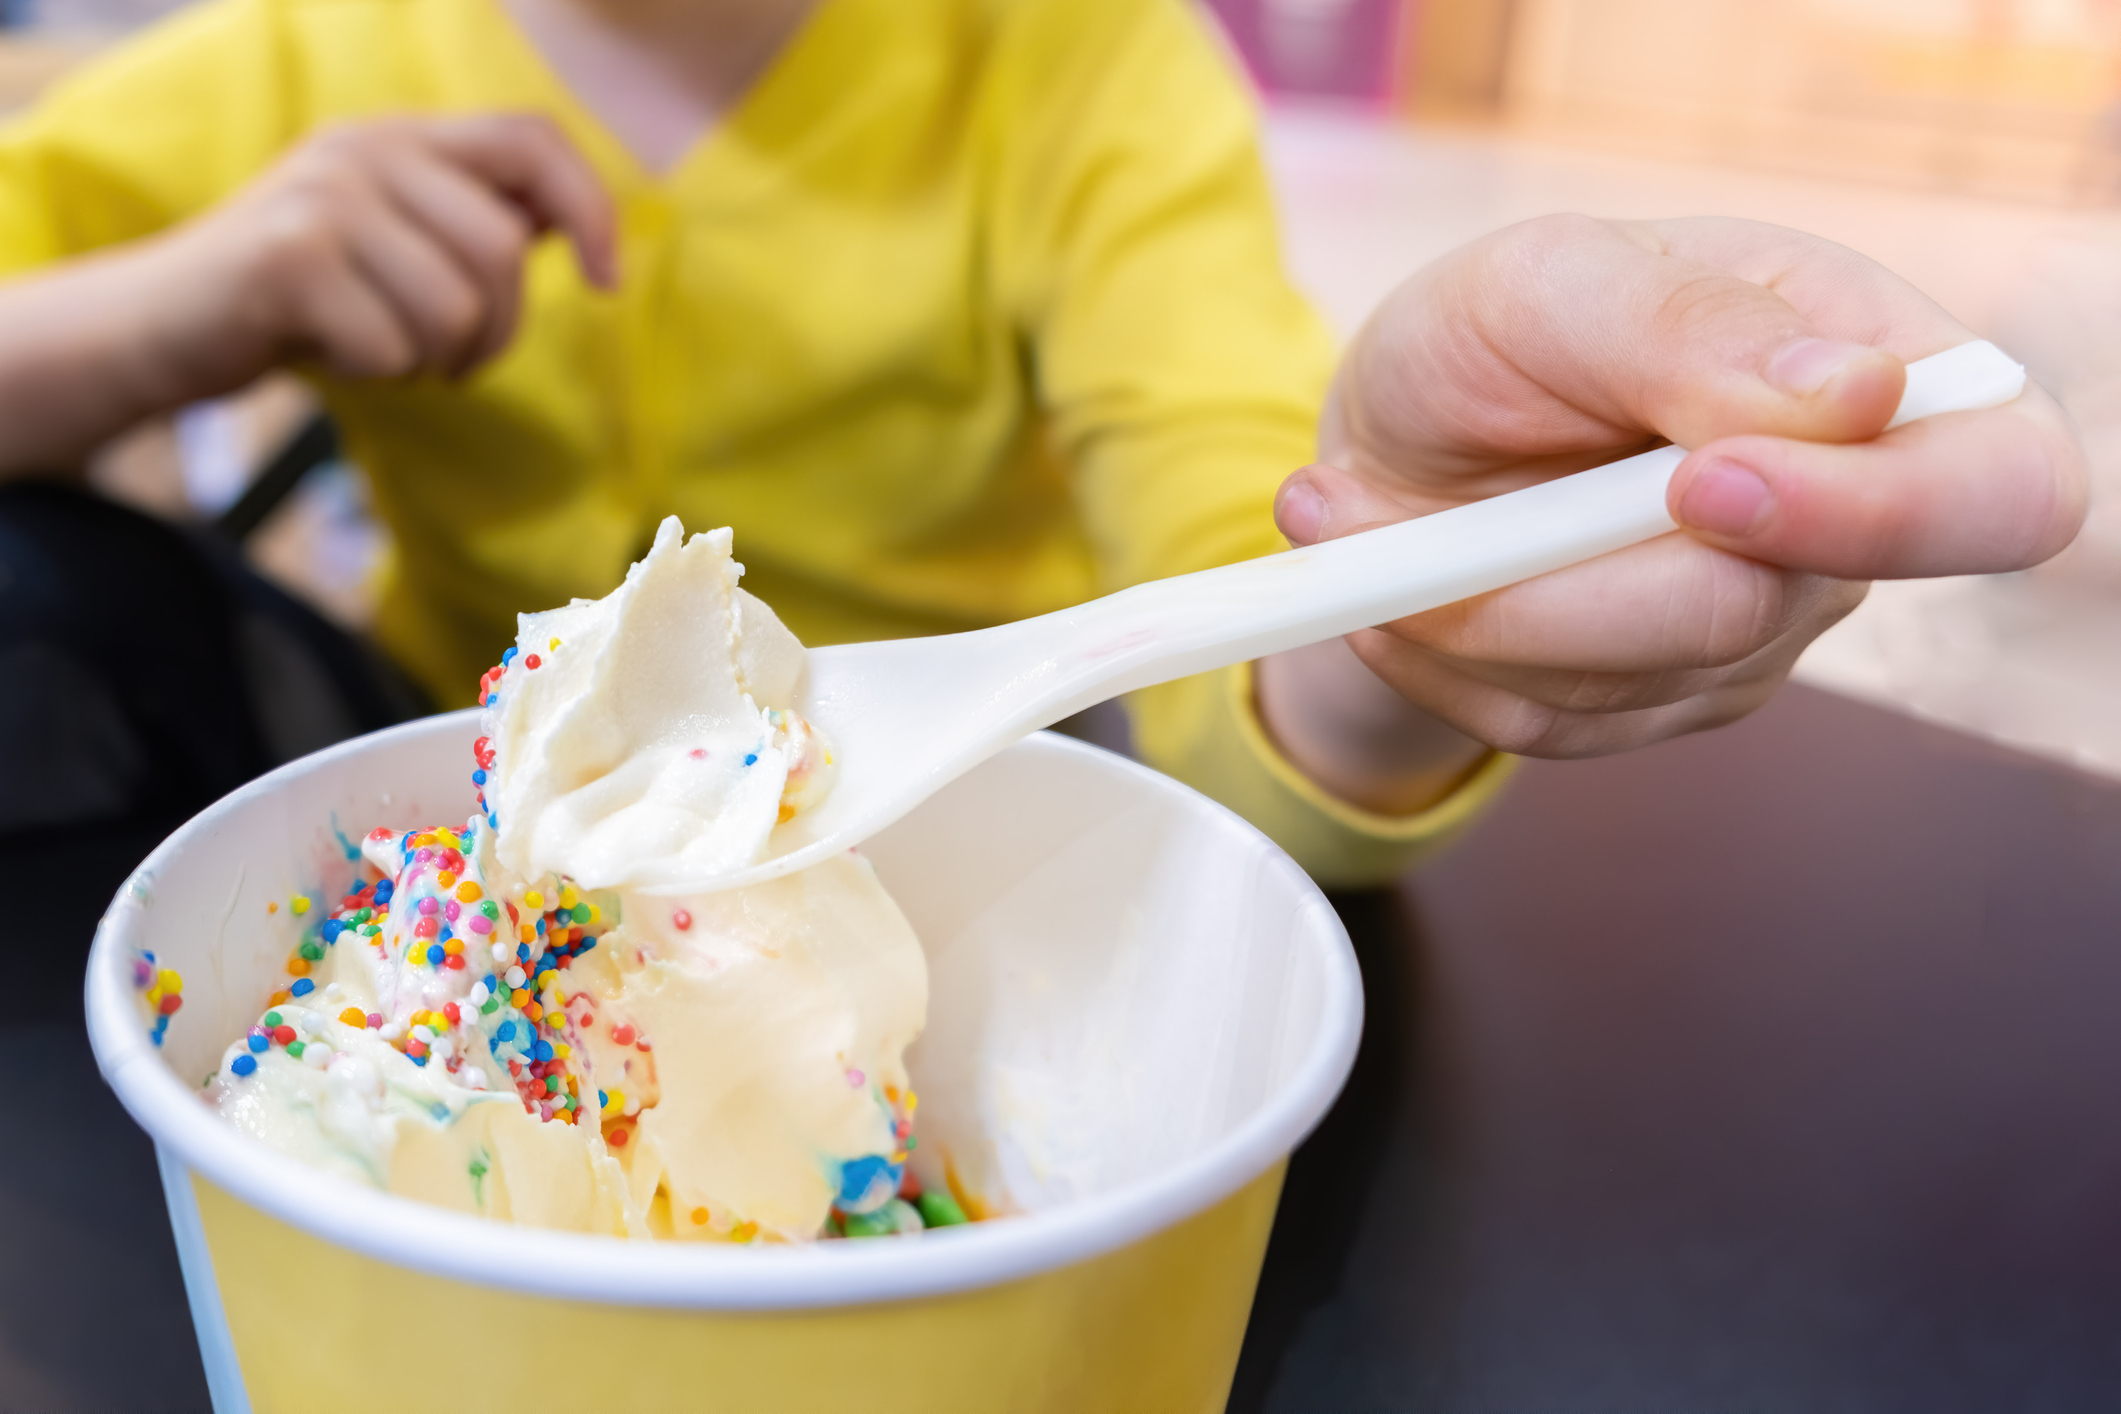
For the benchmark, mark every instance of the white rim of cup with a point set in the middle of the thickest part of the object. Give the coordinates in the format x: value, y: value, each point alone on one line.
x: 585, y: 1267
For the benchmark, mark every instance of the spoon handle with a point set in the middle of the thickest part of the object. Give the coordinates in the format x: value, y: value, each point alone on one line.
x: 1172, y: 628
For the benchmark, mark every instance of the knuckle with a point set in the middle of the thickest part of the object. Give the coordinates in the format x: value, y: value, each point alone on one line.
x: 457, y: 313
x: 502, y: 246
x: 381, y: 353
x: 1558, y: 230
x: 1525, y: 728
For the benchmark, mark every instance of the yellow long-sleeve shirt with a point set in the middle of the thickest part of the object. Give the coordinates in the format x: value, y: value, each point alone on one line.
x: 970, y: 310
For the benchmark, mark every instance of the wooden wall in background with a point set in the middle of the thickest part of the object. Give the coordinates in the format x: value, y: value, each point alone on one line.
x: 1458, y: 59
x: 2013, y: 98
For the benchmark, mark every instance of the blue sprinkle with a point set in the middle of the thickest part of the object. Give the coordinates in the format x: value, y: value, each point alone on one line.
x: 602, y: 1099
x: 243, y: 1065
x: 493, y: 1047
x: 506, y: 1031
x: 587, y: 944
x: 508, y: 655
x: 146, y: 954
x: 303, y: 987
x: 257, y: 1042
x: 331, y: 930
x: 435, y: 954
x: 156, y: 1035
x: 751, y: 758
x: 161, y: 1025
x: 384, y: 889
x: 478, y: 778
x: 522, y: 952
x: 542, y: 1050
x: 492, y: 697
x: 418, y: 1060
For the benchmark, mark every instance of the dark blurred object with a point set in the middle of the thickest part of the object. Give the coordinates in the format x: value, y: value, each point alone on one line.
x: 144, y: 672
x: 92, y: 1309
x: 1776, y: 1068
x: 314, y: 444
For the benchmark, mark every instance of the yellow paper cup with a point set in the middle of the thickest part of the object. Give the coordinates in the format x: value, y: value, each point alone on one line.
x: 1138, y: 1007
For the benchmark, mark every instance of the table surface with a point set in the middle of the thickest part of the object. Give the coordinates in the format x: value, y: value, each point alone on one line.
x: 1773, y: 1069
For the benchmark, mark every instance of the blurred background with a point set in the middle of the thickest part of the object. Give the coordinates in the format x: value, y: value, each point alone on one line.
x: 1972, y: 145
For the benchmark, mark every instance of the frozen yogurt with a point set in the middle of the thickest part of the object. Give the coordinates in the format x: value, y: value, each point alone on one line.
x: 500, y: 1017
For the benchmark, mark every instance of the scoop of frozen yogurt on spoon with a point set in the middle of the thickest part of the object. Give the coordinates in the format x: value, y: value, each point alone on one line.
x: 645, y: 738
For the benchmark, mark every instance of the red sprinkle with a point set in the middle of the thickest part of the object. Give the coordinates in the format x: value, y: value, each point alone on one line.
x: 169, y: 1004
x: 530, y: 662
x: 283, y: 1034
x: 454, y: 962
x: 622, y: 1033
x: 682, y: 919
x: 449, y: 1009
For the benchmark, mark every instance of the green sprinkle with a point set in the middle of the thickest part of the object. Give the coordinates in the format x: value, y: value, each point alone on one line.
x: 363, y: 915
x: 490, y: 1006
x: 490, y: 908
x: 311, y: 951
x: 272, y: 1018
x: 570, y: 1102
x: 939, y: 1210
x: 580, y: 913
x: 295, y: 1048
x: 552, y: 1084
x: 877, y: 1224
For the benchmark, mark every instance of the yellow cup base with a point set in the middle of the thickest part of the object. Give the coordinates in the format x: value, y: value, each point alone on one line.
x: 1153, y: 1328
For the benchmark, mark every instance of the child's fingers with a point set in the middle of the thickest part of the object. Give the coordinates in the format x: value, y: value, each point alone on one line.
x: 1511, y: 721
x: 348, y: 325
x: 527, y: 157
x: 430, y: 295
x: 1661, y: 607
x: 1964, y: 493
x: 486, y: 236
x: 1670, y: 606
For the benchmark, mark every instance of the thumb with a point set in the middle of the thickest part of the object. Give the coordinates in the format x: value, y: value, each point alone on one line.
x: 1571, y: 335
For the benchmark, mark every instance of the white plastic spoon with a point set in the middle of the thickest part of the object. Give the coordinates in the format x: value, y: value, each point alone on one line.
x: 908, y: 716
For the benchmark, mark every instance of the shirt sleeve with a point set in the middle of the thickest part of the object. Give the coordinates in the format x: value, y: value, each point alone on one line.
x: 1180, y: 373
x: 138, y: 139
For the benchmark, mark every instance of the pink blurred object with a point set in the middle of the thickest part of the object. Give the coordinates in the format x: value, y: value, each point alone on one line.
x: 1340, y: 49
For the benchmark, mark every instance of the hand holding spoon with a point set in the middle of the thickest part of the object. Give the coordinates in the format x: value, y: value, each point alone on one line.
x: 908, y: 716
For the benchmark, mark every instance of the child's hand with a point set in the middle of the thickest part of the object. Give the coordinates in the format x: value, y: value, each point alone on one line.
x: 1566, y: 342
x: 378, y: 250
